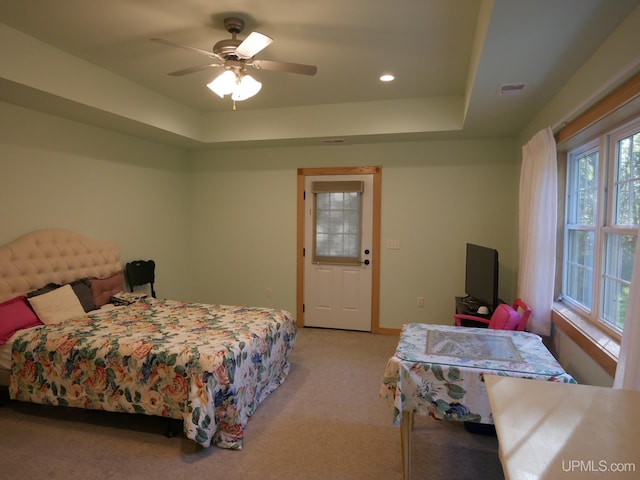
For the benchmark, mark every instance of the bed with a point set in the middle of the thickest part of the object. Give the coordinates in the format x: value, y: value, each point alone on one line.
x: 71, y: 336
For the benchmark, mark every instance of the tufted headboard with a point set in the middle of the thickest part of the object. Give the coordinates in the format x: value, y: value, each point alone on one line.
x: 53, y: 256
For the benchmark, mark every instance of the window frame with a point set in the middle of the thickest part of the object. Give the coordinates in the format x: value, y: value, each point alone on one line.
x: 606, y: 144
x: 578, y: 152
x: 617, y: 105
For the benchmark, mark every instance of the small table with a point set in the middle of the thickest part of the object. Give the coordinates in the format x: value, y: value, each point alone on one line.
x: 549, y: 431
x: 439, y: 370
x: 465, y: 309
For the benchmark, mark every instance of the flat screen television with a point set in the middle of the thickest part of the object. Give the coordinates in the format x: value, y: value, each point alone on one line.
x: 481, y: 281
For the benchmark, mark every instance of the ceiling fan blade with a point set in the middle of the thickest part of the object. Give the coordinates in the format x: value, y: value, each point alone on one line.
x: 186, y: 47
x: 254, y: 43
x: 285, y: 67
x: 197, y: 68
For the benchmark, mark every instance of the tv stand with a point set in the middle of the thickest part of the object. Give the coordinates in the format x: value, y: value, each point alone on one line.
x: 467, y: 306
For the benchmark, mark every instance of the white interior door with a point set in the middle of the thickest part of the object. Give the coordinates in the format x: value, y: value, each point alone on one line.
x: 337, y: 285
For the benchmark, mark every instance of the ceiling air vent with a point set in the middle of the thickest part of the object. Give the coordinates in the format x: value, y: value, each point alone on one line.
x: 511, y: 88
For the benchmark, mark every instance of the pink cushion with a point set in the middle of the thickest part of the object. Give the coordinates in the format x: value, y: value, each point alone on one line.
x: 102, y: 289
x: 505, y: 318
x: 15, y: 315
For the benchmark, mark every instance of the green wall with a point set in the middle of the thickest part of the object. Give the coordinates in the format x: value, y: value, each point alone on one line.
x: 221, y: 224
x: 57, y: 173
x: 436, y: 196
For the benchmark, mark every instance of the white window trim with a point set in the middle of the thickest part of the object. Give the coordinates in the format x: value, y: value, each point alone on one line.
x: 620, y: 104
x: 606, y: 143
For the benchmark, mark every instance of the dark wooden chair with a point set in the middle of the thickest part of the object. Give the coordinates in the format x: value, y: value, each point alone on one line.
x: 141, y: 272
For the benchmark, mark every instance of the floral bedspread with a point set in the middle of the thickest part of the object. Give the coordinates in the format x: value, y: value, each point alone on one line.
x: 209, y: 365
x: 439, y: 370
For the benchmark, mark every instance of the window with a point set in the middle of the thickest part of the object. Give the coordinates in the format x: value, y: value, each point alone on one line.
x: 338, y: 221
x: 601, y: 225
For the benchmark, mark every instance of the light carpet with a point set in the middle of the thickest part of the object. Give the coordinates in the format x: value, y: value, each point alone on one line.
x: 327, y: 421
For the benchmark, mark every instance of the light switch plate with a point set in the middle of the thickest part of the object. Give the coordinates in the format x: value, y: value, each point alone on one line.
x: 393, y: 244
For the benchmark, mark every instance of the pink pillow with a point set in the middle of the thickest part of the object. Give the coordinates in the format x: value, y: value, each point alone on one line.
x: 15, y: 315
x: 102, y: 289
x: 505, y: 318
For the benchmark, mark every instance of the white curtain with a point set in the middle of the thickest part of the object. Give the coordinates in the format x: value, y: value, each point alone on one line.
x: 537, y: 228
x: 628, y: 370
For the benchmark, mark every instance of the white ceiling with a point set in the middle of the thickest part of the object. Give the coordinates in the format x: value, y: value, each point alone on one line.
x: 449, y: 53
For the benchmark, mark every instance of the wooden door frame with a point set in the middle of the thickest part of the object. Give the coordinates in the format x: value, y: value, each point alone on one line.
x: 375, y: 246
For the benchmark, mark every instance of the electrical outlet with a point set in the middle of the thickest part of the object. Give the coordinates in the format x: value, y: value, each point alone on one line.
x: 420, y: 302
x: 268, y: 293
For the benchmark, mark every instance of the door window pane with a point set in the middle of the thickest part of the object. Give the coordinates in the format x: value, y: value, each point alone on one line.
x: 337, y: 222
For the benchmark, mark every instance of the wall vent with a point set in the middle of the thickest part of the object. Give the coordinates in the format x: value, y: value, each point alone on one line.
x: 511, y: 88
x: 333, y: 141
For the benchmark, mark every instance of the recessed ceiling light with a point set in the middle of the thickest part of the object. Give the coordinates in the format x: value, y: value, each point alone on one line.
x: 387, y: 77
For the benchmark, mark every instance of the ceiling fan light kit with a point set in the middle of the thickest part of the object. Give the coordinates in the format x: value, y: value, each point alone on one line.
x: 237, y: 84
x: 235, y: 56
x: 223, y: 84
x: 246, y: 88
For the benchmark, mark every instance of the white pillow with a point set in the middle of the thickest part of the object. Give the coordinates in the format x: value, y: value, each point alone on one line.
x: 57, y: 305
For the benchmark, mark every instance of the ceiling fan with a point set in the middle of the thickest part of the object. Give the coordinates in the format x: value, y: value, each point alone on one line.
x: 235, y: 56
